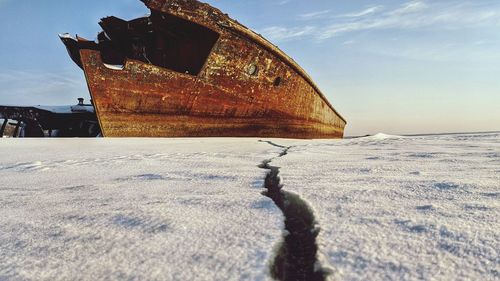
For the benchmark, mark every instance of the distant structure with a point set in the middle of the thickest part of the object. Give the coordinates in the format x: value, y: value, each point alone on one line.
x: 188, y: 70
x: 49, y: 121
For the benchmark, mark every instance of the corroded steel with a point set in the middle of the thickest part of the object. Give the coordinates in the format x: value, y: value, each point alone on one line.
x: 247, y: 87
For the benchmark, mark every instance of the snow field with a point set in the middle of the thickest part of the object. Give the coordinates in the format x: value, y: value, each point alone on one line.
x: 135, y: 209
x: 390, y: 207
x: 403, y: 208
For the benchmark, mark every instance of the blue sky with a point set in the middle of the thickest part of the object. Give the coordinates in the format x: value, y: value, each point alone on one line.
x: 397, y: 67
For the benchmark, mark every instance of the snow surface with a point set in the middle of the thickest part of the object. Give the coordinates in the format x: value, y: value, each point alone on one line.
x: 94, y: 209
x: 390, y: 207
x: 114, y: 66
x: 68, y: 109
x: 403, y: 208
x: 66, y: 35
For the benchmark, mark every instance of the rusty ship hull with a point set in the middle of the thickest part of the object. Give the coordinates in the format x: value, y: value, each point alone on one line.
x: 188, y: 70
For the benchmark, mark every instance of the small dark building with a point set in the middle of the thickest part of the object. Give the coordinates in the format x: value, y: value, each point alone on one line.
x: 78, y: 120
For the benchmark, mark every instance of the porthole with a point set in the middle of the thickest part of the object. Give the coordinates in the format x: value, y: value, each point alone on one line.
x: 277, y: 81
x: 252, y: 69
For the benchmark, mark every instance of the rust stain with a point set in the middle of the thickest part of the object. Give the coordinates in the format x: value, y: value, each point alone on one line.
x: 191, y: 71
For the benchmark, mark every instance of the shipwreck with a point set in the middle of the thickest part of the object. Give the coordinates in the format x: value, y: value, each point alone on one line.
x: 189, y: 70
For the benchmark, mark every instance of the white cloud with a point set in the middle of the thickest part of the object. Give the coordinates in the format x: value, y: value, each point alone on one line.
x: 410, y: 7
x: 30, y: 88
x: 410, y: 15
x: 365, y: 12
x: 314, y: 15
x: 278, y: 33
x: 283, y: 2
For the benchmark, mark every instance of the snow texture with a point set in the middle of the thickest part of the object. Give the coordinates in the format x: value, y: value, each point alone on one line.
x: 135, y: 210
x: 390, y: 207
x: 403, y: 208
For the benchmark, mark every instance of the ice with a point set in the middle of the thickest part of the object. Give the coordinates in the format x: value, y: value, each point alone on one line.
x: 389, y: 207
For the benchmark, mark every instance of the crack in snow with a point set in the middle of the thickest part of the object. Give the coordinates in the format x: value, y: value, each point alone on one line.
x: 296, y: 256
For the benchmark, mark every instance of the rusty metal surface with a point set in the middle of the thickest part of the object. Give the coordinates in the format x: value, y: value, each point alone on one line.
x: 215, y: 19
x: 247, y: 87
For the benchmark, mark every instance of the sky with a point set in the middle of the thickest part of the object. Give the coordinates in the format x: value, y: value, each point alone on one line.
x: 397, y: 67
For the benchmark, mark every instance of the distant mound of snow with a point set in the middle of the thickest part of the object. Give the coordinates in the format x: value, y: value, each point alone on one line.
x: 374, y: 139
x: 379, y: 136
x: 382, y: 136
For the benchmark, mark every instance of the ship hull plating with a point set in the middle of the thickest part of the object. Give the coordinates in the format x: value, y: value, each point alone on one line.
x: 244, y: 87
